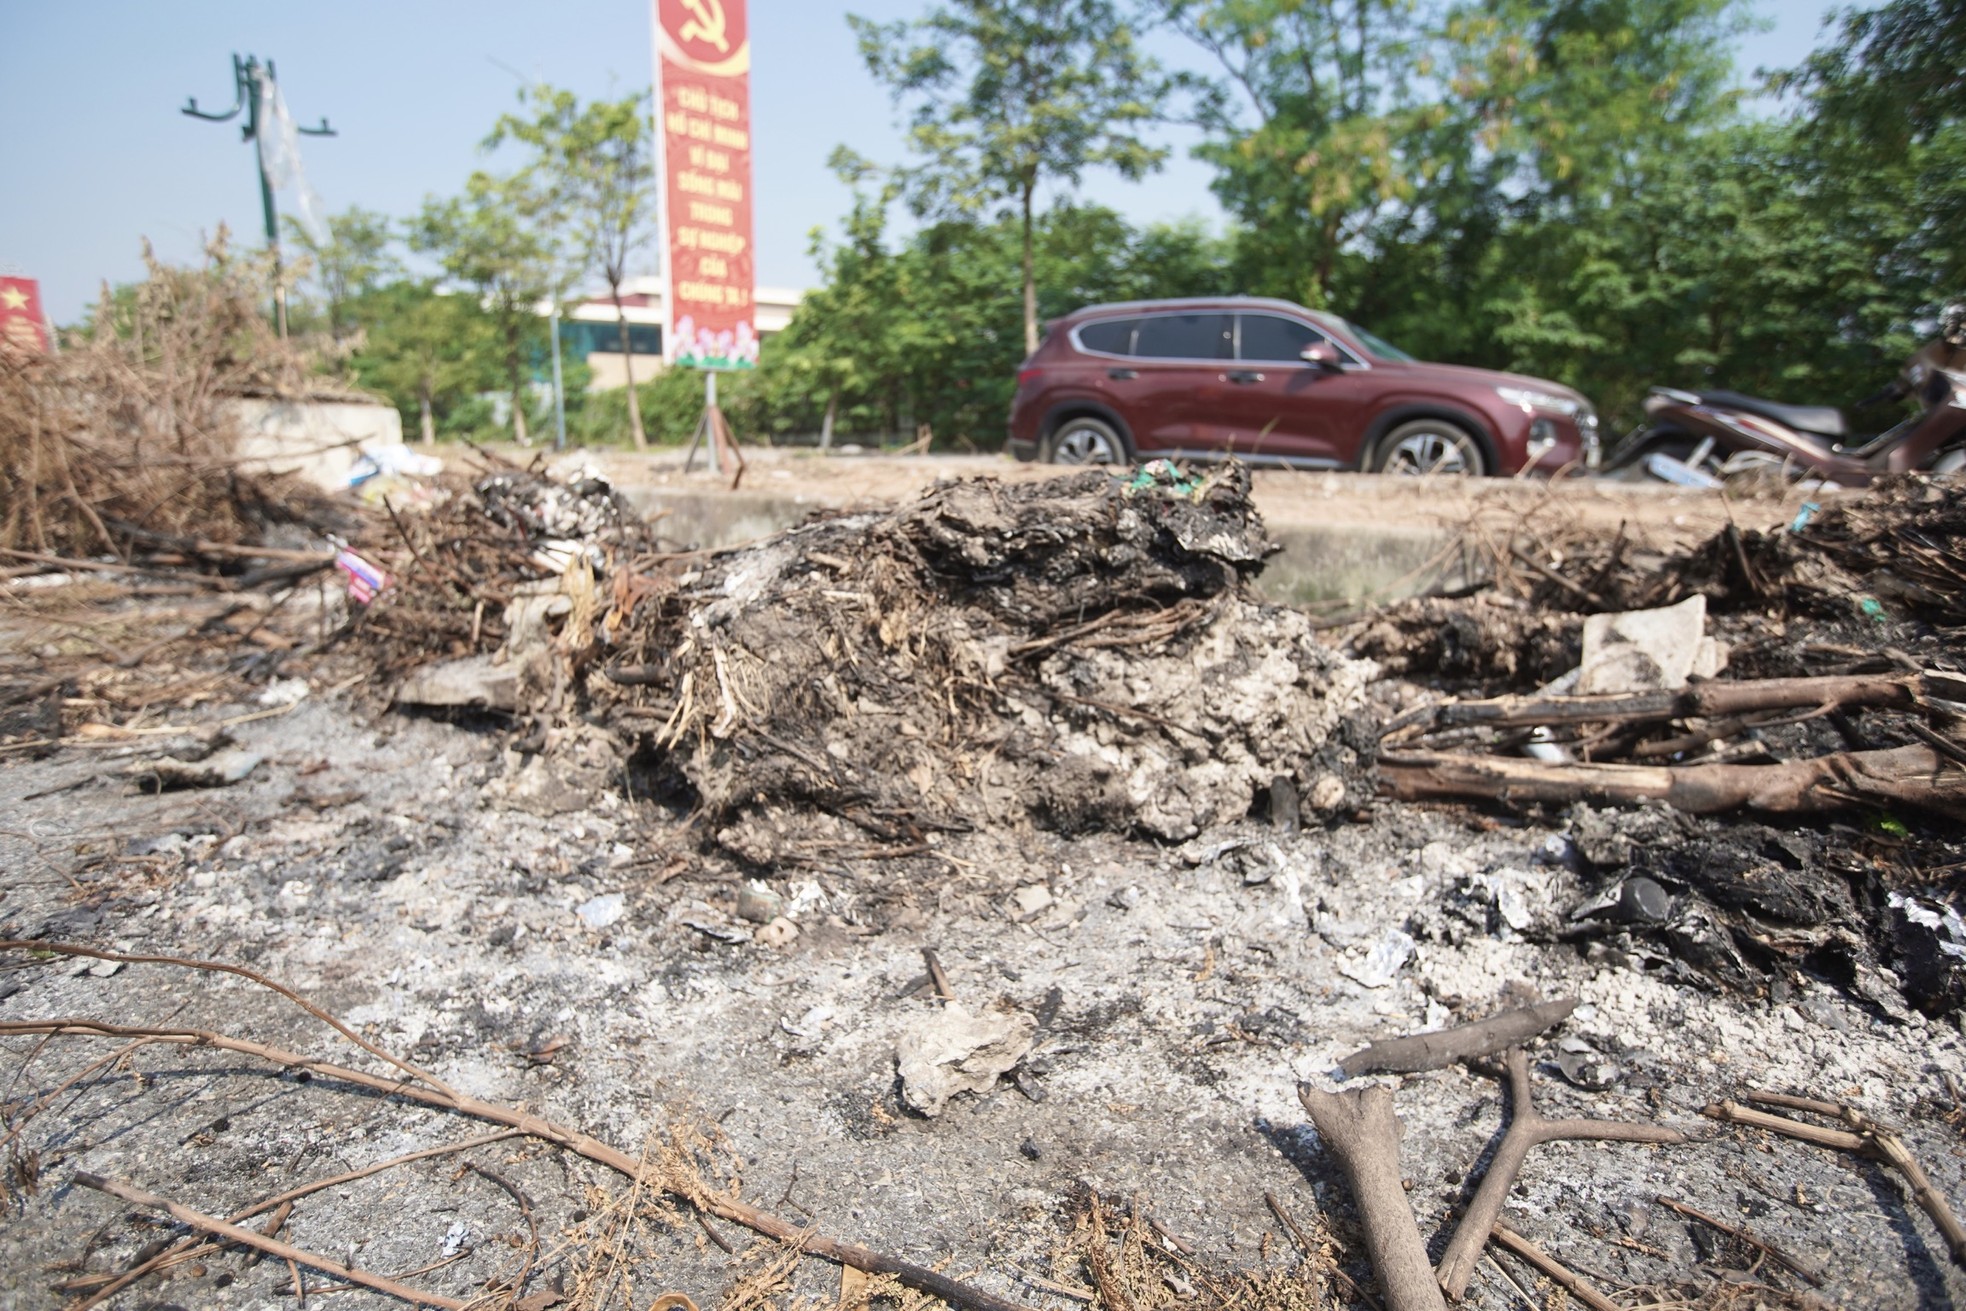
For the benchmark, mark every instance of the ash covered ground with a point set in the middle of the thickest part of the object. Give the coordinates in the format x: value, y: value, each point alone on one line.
x: 570, y: 917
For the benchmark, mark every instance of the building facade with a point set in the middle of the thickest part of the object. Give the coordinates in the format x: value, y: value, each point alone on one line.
x: 589, y: 329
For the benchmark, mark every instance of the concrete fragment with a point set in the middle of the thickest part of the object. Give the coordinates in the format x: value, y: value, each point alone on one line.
x: 1648, y: 650
x: 473, y: 682
x: 953, y: 1051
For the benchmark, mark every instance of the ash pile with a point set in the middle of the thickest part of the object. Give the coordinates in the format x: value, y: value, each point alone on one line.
x: 1080, y: 654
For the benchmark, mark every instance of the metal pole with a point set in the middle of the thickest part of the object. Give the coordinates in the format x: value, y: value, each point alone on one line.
x: 247, y: 80
x: 709, y: 421
x: 559, y: 388
x: 267, y: 206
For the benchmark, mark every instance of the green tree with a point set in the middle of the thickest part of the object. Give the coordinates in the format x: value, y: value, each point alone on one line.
x: 1013, y: 95
x: 1316, y: 130
x: 426, y: 351
x: 353, y: 259
x: 1891, y: 86
x: 595, y: 166
x: 491, y: 241
x: 1896, y: 72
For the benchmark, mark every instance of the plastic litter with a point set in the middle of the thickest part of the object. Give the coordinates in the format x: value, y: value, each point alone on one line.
x: 364, y: 579
x: 397, y: 461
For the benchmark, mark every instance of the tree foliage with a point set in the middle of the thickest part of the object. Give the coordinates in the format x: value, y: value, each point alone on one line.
x: 593, y: 166
x: 1008, y: 96
x: 351, y: 259
x: 493, y: 242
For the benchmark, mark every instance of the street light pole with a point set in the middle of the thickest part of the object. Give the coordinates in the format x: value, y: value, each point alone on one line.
x: 250, y: 83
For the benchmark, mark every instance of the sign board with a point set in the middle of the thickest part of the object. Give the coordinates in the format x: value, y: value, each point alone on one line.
x: 22, y: 325
x: 703, y: 122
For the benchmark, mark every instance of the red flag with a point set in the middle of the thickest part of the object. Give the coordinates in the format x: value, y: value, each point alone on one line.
x: 703, y: 119
x: 22, y: 326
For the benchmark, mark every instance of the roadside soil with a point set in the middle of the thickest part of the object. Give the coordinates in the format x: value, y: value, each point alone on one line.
x: 864, y: 480
x: 606, y: 966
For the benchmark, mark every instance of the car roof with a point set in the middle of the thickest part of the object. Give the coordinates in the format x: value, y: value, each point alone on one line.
x: 1203, y: 303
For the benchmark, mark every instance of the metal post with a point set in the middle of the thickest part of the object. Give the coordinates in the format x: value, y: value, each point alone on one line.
x: 709, y: 419
x: 559, y: 387
x: 247, y: 79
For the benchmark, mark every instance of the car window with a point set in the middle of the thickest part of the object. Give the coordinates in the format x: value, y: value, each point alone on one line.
x: 1184, y: 337
x: 1273, y: 337
x: 1114, y: 336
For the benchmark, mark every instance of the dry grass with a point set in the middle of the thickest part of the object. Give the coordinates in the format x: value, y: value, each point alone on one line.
x: 121, y: 440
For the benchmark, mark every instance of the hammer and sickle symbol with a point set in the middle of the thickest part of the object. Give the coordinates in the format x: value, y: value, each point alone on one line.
x: 708, y: 23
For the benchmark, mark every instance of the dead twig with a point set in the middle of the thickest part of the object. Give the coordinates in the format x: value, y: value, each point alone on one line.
x: 260, y: 1242
x: 1803, y: 1268
x: 1443, y: 1047
x: 716, y: 1203
x: 1697, y: 701
x: 1906, y: 776
x: 279, y: 1202
x: 216, y: 967
x: 1865, y: 1137
x: 941, y: 980
x: 1528, y: 1128
x: 1359, y: 1129
x: 1562, y: 1276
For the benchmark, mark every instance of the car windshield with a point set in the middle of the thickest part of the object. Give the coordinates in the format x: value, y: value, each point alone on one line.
x: 1378, y: 345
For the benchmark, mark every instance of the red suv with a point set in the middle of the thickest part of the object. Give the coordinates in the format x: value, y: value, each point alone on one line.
x: 1274, y: 383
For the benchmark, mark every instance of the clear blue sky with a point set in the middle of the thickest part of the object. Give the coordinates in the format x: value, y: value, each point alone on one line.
x: 94, y: 154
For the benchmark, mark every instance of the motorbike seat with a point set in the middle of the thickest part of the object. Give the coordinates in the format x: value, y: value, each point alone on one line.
x: 1813, y: 420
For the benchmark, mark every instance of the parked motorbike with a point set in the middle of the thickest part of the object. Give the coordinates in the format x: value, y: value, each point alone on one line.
x: 1703, y: 438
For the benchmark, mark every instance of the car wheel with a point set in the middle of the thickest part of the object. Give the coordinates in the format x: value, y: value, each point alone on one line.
x: 1086, y: 441
x: 1430, y: 446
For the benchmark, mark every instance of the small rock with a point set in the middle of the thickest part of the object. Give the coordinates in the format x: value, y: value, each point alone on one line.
x: 285, y: 692
x: 1032, y: 899
x: 758, y: 903
x: 781, y: 932
x: 602, y: 911
x: 1125, y: 898
x: 1030, y: 1149
x: 221, y: 769
x: 1383, y: 963
x: 1328, y: 793
x: 953, y: 1051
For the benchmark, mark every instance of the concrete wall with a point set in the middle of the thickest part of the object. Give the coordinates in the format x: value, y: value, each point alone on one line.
x: 610, y: 372
x: 320, y: 440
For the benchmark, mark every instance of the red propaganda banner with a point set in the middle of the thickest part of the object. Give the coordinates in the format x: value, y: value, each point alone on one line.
x: 22, y: 326
x: 703, y: 110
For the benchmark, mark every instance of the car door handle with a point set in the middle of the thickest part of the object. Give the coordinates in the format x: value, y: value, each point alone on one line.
x: 1242, y: 377
x: 1123, y: 375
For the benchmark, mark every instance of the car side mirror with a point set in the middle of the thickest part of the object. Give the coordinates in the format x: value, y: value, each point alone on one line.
x: 1322, y: 355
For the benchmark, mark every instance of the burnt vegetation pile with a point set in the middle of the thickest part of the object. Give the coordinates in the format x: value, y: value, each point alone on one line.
x: 1843, y: 583
x: 1079, y: 654
x: 461, y: 571
x: 1798, y: 814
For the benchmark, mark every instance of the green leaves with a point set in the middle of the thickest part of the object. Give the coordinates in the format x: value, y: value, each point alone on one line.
x: 1008, y: 96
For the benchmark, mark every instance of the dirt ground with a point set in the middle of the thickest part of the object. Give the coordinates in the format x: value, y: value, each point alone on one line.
x: 854, y: 481
x: 603, y: 965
